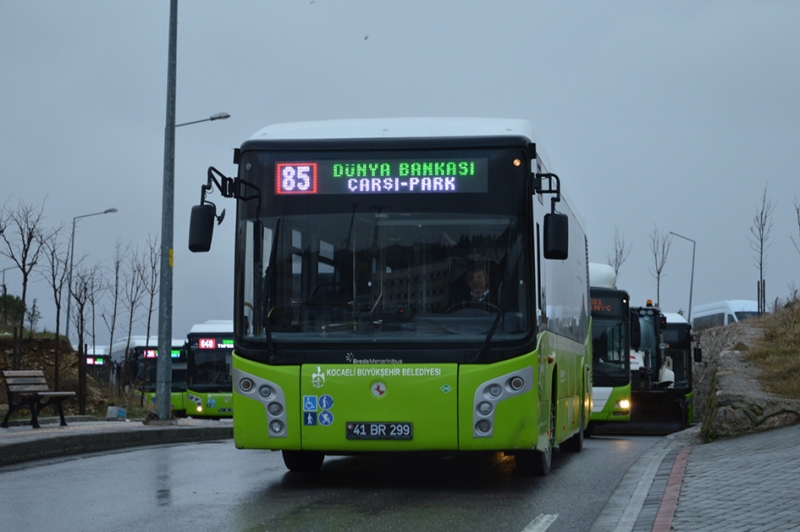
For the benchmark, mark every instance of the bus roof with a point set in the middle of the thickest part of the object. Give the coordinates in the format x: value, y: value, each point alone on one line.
x: 141, y: 341
x: 602, y: 275
x: 213, y: 326
x: 373, y: 128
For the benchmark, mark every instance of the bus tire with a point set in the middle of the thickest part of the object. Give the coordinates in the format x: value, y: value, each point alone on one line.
x: 303, y: 461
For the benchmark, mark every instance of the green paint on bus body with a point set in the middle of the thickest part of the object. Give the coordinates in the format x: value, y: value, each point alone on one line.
x: 438, y: 400
x: 209, y: 404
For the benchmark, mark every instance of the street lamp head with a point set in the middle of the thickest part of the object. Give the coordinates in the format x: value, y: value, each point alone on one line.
x: 220, y: 116
x: 109, y: 211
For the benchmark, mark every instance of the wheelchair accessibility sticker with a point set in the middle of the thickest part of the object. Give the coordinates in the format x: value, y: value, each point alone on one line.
x: 310, y: 403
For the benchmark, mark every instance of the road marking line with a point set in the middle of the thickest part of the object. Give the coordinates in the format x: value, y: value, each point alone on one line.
x: 541, y: 523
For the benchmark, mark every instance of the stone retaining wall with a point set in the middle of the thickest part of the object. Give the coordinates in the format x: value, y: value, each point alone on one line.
x: 728, y: 396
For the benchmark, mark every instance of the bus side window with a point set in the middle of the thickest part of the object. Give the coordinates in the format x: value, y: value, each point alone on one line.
x: 730, y: 318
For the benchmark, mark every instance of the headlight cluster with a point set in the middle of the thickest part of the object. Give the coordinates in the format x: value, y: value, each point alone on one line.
x: 268, y: 394
x: 490, y: 393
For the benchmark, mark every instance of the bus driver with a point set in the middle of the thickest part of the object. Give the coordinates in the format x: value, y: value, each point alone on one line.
x: 477, y: 292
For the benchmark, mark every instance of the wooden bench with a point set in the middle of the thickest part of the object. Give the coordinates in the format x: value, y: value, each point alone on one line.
x: 29, y: 388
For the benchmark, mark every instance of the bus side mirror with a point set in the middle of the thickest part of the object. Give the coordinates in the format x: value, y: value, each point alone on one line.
x: 698, y: 354
x: 201, y: 227
x: 636, y: 332
x: 556, y: 236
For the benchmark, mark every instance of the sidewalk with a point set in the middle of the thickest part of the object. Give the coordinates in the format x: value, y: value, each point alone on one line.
x: 22, y: 443
x: 747, y: 483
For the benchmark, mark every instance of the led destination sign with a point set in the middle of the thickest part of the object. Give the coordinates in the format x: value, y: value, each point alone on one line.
x: 612, y: 306
x: 383, y: 177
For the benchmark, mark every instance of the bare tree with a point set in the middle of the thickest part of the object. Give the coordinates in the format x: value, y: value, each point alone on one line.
x: 97, y: 286
x: 150, y: 267
x: 659, y: 245
x: 81, y: 292
x: 34, y: 315
x: 621, y: 252
x: 56, y: 276
x: 84, y: 290
x: 759, y: 242
x: 797, y: 212
x: 21, y: 232
x: 109, y: 314
x: 133, y: 291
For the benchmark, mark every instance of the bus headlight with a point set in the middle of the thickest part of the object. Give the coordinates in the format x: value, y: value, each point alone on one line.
x: 246, y: 384
x: 265, y: 391
x: 275, y: 409
x: 495, y: 390
x: 276, y: 427
x: 485, y: 408
x: 199, y: 408
x: 624, y: 404
x: 484, y: 426
x: 517, y: 383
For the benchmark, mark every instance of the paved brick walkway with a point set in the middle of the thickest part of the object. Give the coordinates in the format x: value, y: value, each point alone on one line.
x: 749, y: 483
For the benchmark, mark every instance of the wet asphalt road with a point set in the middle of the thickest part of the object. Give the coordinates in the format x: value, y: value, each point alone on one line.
x: 213, y: 486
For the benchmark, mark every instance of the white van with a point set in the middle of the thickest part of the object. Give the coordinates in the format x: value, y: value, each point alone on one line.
x: 723, y: 313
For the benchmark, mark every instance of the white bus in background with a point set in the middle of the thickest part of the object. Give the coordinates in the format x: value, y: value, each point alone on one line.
x: 723, y: 313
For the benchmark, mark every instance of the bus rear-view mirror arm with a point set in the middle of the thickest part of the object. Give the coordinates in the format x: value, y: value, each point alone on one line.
x: 556, y: 225
x: 201, y: 225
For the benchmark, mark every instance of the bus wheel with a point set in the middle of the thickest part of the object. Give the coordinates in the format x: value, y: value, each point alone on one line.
x: 303, y: 461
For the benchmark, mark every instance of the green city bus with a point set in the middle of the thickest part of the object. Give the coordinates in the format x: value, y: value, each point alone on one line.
x: 357, y: 323
x: 142, y: 368
x: 611, y: 368
x: 208, y: 390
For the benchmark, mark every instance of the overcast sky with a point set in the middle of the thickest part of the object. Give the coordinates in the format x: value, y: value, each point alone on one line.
x: 675, y: 115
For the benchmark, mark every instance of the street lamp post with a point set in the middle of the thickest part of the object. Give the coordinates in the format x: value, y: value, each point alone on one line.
x: 163, y: 360
x: 72, y: 256
x: 691, y: 281
x: 217, y: 116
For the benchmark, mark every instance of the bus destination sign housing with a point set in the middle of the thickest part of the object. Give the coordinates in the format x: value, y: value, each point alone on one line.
x: 395, y: 176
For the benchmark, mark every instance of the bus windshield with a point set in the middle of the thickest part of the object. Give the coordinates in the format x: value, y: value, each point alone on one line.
x: 611, y: 363
x: 210, y: 367
x: 426, y: 267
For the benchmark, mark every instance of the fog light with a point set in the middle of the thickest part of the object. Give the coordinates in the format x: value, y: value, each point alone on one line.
x: 484, y: 426
x: 265, y: 391
x: 246, y: 384
x: 275, y: 409
x: 495, y: 390
x: 276, y: 427
x: 517, y: 383
x: 485, y: 408
x: 624, y: 404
